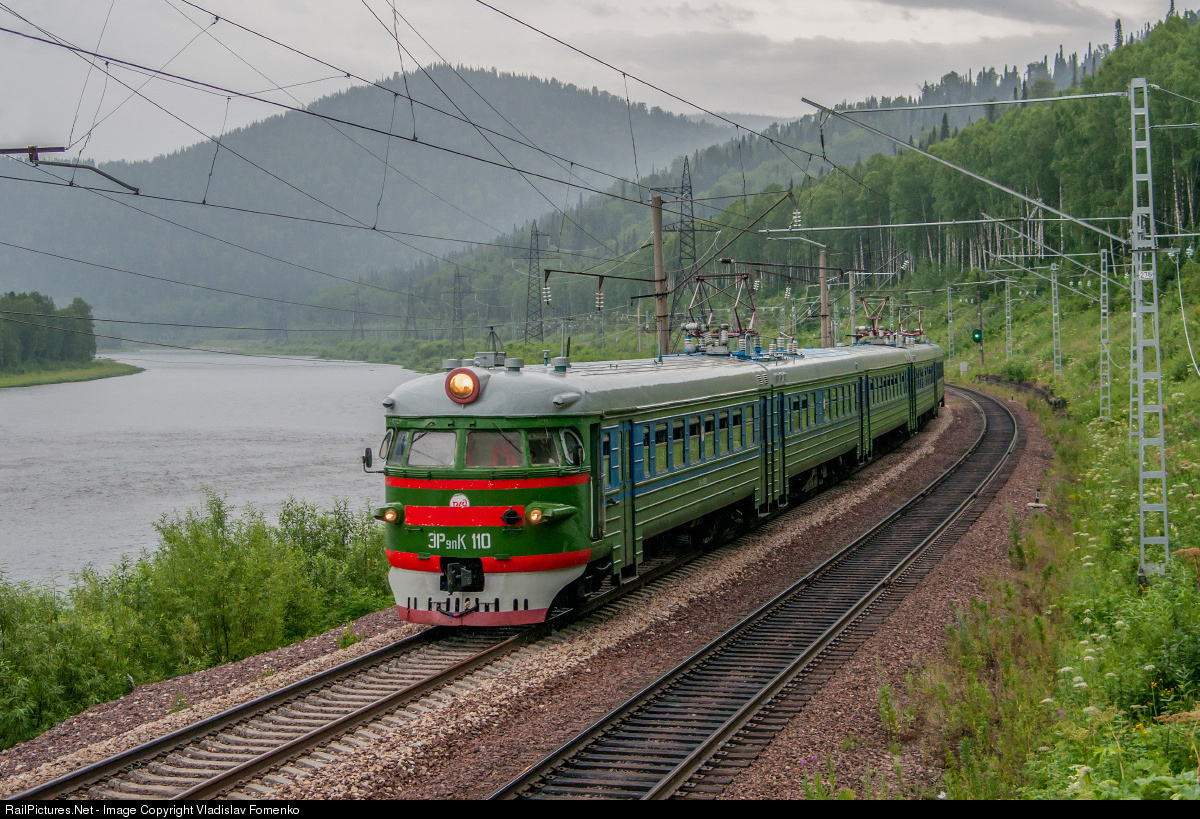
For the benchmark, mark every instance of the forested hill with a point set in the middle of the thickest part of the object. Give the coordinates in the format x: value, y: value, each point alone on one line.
x: 300, y: 165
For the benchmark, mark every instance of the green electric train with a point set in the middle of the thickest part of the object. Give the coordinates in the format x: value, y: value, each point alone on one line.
x: 509, y: 486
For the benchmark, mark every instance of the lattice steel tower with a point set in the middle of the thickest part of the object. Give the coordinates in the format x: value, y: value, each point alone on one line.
x: 1105, y: 358
x: 533, y: 289
x: 461, y: 288
x: 1152, y: 451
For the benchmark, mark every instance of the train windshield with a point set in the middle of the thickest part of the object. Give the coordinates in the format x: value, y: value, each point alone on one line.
x: 495, y: 449
x: 543, y: 450
x: 432, y: 449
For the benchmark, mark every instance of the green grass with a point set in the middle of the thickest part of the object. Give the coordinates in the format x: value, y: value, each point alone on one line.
x: 217, y: 589
x: 1064, y: 679
x: 99, y: 368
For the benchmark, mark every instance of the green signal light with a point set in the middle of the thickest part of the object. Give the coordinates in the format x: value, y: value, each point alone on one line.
x: 977, y: 336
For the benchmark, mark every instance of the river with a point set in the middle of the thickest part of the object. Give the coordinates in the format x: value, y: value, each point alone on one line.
x: 86, y: 469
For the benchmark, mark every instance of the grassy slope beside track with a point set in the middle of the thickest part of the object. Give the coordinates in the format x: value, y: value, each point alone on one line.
x: 1067, y: 680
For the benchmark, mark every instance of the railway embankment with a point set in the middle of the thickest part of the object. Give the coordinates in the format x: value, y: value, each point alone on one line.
x: 470, y: 743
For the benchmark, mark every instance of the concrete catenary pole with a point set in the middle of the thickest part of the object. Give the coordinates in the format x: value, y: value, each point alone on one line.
x: 660, y: 278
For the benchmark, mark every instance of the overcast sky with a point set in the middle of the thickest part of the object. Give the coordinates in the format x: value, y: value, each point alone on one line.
x: 749, y: 56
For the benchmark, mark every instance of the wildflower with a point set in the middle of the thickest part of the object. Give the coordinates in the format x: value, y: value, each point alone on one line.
x: 1091, y: 709
x: 1048, y: 701
x: 1110, y: 675
x: 1148, y: 667
x: 1089, y: 651
x: 1080, y: 685
x: 1087, y: 621
x: 1077, y: 679
x: 1066, y: 669
x: 1089, y: 564
x: 1089, y: 659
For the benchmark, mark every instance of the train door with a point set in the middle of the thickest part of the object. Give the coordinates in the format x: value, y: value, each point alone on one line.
x: 779, y: 431
x: 762, y: 431
x: 637, y: 437
x: 864, y: 418
x: 618, y: 514
x: 910, y: 377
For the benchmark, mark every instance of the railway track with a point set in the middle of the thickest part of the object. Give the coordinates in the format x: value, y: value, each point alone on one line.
x: 215, y: 756
x: 688, y: 733
x: 287, y: 730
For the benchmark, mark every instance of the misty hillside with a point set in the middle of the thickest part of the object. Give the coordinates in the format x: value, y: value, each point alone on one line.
x: 310, y: 168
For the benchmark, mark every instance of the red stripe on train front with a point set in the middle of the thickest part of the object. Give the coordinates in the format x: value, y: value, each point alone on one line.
x: 492, y: 565
x: 459, y: 515
x: 515, y: 483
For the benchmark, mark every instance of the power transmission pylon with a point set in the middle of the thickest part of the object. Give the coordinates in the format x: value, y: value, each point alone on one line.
x: 534, y: 330
x: 461, y: 287
x: 1152, y: 452
x: 409, y: 317
x: 685, y: 264
x: 356, y: 328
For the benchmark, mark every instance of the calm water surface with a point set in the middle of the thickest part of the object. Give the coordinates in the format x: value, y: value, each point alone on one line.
x: 86, y: 469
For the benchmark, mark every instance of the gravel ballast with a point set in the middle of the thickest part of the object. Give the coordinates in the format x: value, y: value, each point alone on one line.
x: 468, y: 745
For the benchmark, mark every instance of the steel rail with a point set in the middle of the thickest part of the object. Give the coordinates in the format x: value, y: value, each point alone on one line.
x: 689, y: 762
x: 181, y: 738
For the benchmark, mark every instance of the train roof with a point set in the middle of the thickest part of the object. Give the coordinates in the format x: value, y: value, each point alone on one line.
x: 606, y: 387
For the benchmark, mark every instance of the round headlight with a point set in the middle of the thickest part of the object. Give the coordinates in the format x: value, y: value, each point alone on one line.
x: 535, y: 516
x: 462, y: 386
x: 390, y: 516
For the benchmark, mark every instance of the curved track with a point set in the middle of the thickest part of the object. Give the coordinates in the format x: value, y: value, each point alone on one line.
x: 216, y: 755
x: 685, y: 733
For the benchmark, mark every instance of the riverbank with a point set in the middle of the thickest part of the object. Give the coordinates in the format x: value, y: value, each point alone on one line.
x: 98, y: 368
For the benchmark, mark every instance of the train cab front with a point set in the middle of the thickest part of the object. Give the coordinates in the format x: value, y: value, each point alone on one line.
x: 487, y: 519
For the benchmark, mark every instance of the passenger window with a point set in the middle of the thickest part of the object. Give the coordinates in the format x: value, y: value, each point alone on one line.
x: 750, y: 436
x: 543, y: 451
x: 695, y: 441
x: 662, y: 464
x: 739, y: 431
x: 678, y: 444
x: 495, y: 449
x: 434, y: 449
x: 723, y: 430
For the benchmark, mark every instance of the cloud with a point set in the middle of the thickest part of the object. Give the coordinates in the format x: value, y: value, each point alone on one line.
x: 754, y: 74
x: 725, y: 14
x: 1058, y: 12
